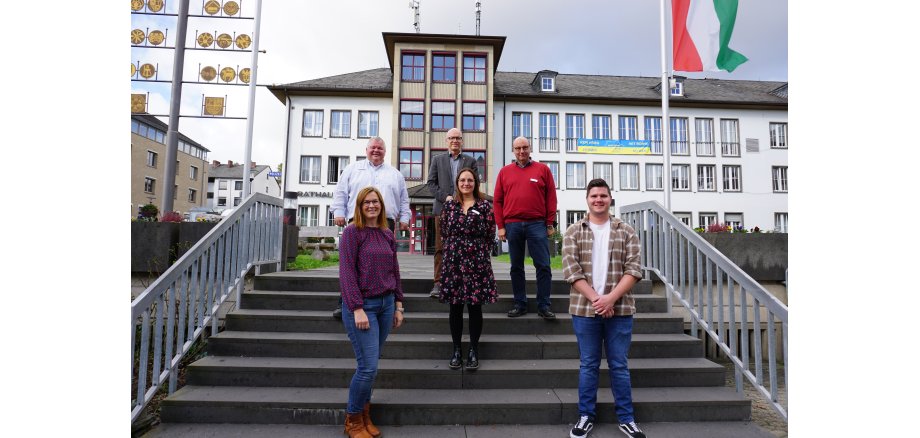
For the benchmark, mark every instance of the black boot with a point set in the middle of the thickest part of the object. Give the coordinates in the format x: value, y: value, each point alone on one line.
x: 472, y: 361
x: 455, y: 360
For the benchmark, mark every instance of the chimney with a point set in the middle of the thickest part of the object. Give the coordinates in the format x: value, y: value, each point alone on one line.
x: 215, y: 163
x: 253, y: 165
x: 229, y: 163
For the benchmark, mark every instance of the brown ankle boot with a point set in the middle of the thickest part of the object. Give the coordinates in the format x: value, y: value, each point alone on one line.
x: 354, y: 426
x: 371, y: 429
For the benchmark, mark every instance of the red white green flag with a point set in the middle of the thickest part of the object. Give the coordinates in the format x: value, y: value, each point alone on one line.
x: 702, y: 30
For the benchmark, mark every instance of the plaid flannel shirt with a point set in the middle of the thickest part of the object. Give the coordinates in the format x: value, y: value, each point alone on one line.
x: 577, y: 245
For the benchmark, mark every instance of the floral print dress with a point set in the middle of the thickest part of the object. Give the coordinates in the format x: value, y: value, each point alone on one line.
x: 466, y: 273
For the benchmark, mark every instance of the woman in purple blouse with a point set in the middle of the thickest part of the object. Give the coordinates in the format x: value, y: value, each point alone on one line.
x: 372, y: 296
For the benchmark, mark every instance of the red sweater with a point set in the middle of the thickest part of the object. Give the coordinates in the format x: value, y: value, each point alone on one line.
x: 526, y: 194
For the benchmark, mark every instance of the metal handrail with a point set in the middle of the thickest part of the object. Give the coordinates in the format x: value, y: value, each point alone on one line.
x: 690, y: 269
x: 185, y: 299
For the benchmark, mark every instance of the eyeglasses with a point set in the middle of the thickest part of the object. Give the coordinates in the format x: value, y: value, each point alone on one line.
x: 371, y: 202
x: 455, y: 138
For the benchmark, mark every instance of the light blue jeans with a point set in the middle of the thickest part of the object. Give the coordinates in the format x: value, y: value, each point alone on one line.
x: 615, y: 335
x: 367, y: 345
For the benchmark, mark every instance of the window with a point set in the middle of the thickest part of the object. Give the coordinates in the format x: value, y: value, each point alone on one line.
x: 474, y: 68
x: 236, y: 201
x: 149, y: 184
x: 680, y: 140
x: 778, y: 135
x: 549, y: 136
x: 731, y: 178
x: 367, y: 124
x: 547, y: 84
x: 413, y: 67
x: 177, y: 167
x: 330, y: 216
x: 704, y: 138
x: 474, y: 116
x: 521, y: 125
x: 654, y: 176
x: 628, y: 126
x: 734, y: 220
x: 554, y: 168
x: 604, y: 171
x: 480, y: 157
x: 684, y: 216
x: 573, y: 216
x: 680, y: 176
x: 309, y: 169
x: 237, y: 185
x: 135, y: 126
x: 193, y: 173
x: 443, y: 68
x: 781, y: 222
x: 175, y: 191
x: 653, y: 133
x: 410, y: 163
x: 707, y: 219
x: 412, y: 115
x: 222, y: 185
x: 575, y: 175
x: 677, y: 90
x: 731, y: 142
x: 574, y: 129
x: 780, y: 180
x: 192, y: 195
x: 312, y: 123
x: 308, y: 215
x: 222, y: 201
x: 142, y: 130
x: 706, y: 178
x: 442, y: 115
x: 629, y: 176
x: 600, y: 127
x: 151, y: 159
x: 336, y: 167
x: 341, y: 124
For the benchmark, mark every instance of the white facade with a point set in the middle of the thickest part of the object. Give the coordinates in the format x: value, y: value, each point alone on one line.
x: 224, y: 192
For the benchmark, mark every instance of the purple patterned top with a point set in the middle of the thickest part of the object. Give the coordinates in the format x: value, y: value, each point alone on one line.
x: 367, y: 265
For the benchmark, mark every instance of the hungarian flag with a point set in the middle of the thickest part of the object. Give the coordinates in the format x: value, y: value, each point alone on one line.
x: 702, y: 30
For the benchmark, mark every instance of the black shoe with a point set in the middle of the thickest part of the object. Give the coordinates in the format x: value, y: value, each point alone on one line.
x: 337, y: 313
x: 472, y: 361
x: 547, y: 314
x: 631, y: 429
x: 582, y: 427
x: 455, y: 360
x: 516, y: 312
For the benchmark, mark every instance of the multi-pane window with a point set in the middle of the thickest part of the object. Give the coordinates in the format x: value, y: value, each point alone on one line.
x: 600, y: 127
x: 176, y: 191
x: 192, y: 195
x: 604, y: 171
x: 413, y: 67
x: 629, y: 176
x: 312, y: 123
x: 310, y: 168
x: 442, y: 115
x: 330, y: 216
x: 149, y: 185
x: 734, y: 220
x: 410, y: 163
x: 778, y: 135
x: 781, y: 222
x: 653, y: 133
x: 547, y: 84
x: 192, y: 173
x: 309, y: 215
x: 706, y: 177
x: 480, y: 157
x: 654, y: 174
x: 549, y: 134
x: 237, y: 185
x: 444, y: 68
x: 680, y: 176
x: 222, y: 184
x: 731, y: 178
x: 474, y: 116
x: 731, y: 139
x: 340, y: 125
x: 628, y: 126
x: 554, y: 168
x: 474, y: 68
x: 575, y: 176
x: 521, y: 125
x: 367, y: 124
x: 707, y: 219
x: 684, y: 217
x: 573, y: 216
x: 780, y: 179
x: 412, y: 114
x: 704, y: 138
x: 151, y: 159
x: 677, y: 90
x: 680, y: 138
x: 574, y: 129
x: 336, y: 167
x: 222, y: 201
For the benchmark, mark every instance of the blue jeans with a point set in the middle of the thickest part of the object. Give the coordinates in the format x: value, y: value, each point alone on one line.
x: 534, y: 234
x: 615, y: 334
x: 367, y: 345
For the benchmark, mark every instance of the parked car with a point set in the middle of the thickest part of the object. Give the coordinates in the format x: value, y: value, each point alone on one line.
x: 197, y: 214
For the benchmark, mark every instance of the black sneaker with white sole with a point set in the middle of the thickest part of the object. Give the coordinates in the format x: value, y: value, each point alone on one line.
x: 632, y: 429
x: 582, y: 428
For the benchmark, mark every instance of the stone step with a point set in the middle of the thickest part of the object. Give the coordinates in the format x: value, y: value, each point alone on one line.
x: 435, y: 374
x: 428, y: 346
x: 433, y: 322
x: 281, y: 405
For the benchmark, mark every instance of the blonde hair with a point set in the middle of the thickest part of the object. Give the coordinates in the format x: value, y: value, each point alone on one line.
x: 359, y: 212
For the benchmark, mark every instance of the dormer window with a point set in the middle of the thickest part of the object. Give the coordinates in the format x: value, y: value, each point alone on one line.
x: 677, y: 86
x: 544, y: 81
x: 548, y: 84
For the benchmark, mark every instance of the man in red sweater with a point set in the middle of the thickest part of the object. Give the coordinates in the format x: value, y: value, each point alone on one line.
x: 525, y: 208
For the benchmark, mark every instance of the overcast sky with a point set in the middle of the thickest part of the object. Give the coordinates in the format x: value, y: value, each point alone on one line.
x: 308, y: 40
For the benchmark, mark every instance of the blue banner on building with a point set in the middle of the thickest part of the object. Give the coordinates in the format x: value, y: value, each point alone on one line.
x: 614, y: 147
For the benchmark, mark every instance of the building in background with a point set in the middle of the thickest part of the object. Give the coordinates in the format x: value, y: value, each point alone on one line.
x: 225, y: 184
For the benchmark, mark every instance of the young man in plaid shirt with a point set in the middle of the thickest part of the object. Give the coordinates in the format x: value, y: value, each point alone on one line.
x: 600, y: 259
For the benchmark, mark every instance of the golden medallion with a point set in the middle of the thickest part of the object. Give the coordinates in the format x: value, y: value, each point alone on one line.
x: 245, y: 74
x: 231, y: 8
x: 156, y: 37
x: 147, y: 71
x: 212, y: 7
x: 227, y: 74
x: 214, y: 106
x: 243, y: 41
x: 208, y: 73
x: 138, y: 103
x: 205, y: 39
x: 133, y: 70
x: 137, y: 5
x: 224, y: 41
x: 155, y: 5
x: 137, y: 36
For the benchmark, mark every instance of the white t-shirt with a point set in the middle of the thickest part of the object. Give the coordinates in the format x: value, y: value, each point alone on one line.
x: 600, y: 255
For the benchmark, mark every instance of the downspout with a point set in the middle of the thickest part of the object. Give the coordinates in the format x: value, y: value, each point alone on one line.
x: 504, y: 128
x: 287, y: 141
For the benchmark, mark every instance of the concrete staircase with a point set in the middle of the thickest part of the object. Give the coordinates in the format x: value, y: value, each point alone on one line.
x: 283, y: 360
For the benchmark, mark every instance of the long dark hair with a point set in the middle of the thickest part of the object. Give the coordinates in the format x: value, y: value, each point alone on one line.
x: 477, y: 195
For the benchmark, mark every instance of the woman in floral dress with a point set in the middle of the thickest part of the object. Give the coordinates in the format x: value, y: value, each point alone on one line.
x: 468, y: 233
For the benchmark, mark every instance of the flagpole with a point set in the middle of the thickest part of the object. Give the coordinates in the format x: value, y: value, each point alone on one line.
x: 665, y: 121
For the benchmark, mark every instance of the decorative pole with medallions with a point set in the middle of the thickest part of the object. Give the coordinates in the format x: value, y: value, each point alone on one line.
x: 175, y: 100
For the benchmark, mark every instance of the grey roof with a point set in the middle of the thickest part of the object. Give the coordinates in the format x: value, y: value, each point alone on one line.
x: 378, y: 80
x: 236, y: 172
x: 159, y: 124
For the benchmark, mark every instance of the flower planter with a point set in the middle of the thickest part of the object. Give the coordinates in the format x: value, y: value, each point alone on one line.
x: 763, y: 256
x: 153, y: 246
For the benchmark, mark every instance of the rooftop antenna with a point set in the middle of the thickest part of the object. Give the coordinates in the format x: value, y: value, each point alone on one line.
x: 414, y: 5
x: 478, y: 11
